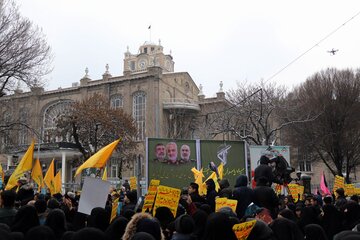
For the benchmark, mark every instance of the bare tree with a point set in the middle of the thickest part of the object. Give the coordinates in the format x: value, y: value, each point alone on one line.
x: 250, y: 113
x: 93, y: 124
x: 25, y: 56
x: 333, y: 96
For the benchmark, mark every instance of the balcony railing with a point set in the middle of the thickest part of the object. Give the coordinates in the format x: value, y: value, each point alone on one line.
x: 181, y: 103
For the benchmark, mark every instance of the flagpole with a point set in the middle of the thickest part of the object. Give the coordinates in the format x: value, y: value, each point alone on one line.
x: 150, y: 32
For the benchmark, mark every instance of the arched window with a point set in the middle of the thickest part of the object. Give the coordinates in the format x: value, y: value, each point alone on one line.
x: 51, y: 114
x: 116, y: 102
x: 139, y: 111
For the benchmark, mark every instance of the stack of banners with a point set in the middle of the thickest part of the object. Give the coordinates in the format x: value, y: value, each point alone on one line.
x: 338, y: 182
x: 114, y: 208
x: 150, y: 196
x: 349, y: 189
x: 133, y: 183
x: 243, y: 230
x: 167, y: 197
x: 224, y: 202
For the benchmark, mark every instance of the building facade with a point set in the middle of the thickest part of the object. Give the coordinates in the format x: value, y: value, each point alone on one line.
x: 162, y: 102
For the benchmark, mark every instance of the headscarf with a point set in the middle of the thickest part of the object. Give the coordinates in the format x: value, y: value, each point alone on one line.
x: 25, y: 219
x: 218, y: 226
x: 40, y: 232
x: 56, y: 221
x: 314, y: 232
x: 117, y: 228
x: 285, y: 229
x: 99, y: 218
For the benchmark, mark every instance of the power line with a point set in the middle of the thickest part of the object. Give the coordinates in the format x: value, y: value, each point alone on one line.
x: 316, y: 44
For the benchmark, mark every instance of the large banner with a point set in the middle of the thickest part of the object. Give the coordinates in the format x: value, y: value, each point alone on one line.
x: 272, y: 151
x: 230, y: 153
x: 171, y: 161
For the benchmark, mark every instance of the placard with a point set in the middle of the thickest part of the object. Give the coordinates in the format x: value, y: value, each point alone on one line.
x: 224, y: 202
x: 167, y: 197
x: 243, y: 230
x: 94, y: 194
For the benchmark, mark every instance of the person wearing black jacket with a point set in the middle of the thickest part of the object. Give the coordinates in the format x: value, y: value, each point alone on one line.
x: 265, y: 171
x: 193, y: 191
x: 211, y: 193
x: 243, y: 194
x: 264, y: 196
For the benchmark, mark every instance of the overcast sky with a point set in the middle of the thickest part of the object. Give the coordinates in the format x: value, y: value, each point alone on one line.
x: 229, y: 41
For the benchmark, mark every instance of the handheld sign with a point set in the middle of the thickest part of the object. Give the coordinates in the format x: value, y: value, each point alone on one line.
x: 243, y: 230
x: 167, y: 197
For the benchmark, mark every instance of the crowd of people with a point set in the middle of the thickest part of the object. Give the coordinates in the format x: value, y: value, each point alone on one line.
x: 28, y: 215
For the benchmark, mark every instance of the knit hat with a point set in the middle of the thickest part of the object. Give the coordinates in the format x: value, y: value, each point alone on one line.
x: 150, y: 226
x: 184, y: 224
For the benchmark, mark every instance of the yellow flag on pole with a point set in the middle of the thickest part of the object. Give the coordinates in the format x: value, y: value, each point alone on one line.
x: 198, y: 176
x: 24, y: 166
x: 99, y: 159
x: 49, y: 178
x: 221, y: 170
x: 36, y: 174
x: 58, y: 182
x: 104, y: 177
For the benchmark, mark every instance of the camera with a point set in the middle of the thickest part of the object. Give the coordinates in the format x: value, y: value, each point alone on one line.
x: 282, y: 170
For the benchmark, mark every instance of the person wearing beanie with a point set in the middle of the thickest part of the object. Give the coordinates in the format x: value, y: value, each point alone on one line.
x: 99, y: 218
x: 89, y: 233
x: 40, y: 232
x: 184, y: 227
x: 143, y: 222
x: 218, y: 226
x: 117, y: 228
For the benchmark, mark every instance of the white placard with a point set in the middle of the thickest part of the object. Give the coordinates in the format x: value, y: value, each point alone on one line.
x: 257, y: 151
x: 94, y: 194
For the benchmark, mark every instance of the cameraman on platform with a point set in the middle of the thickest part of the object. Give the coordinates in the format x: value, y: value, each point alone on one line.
x: 265, y: 171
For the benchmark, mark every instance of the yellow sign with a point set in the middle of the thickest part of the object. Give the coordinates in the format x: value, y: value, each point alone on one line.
x: 338, y: 182
x: 133, y: 183
x: 167, y: 197
x: 349, y: 189
x: 243, y: 230
x: 114, y: 208
x: 150, y: 196
x: 224, y: 202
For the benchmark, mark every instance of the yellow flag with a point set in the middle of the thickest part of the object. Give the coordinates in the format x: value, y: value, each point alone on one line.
x: 98, y: 160
x: 2, y: 173
x: 58, y: 182
x: 49, y: 178
x: 24, y: 166
x: 221, y: 170
x: 104, y: 177
x: 36, y: 174
x: 198, y: 176
x: 114, y: 208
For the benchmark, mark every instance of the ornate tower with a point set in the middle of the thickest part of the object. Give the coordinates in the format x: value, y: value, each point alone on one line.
x: 150, y: 55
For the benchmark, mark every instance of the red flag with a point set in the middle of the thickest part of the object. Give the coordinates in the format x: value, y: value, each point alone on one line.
x: 323, y: 185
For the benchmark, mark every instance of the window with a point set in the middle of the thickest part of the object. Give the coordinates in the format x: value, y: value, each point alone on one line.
x: 304, y: 157
x: 145, y: 50
x: 51, y: 114
x: 116, y: 102
x: 132, y: 65
x: 23, y: 131
x: 6, y: 133
x: 139, y: 110
x: 114, y: 171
